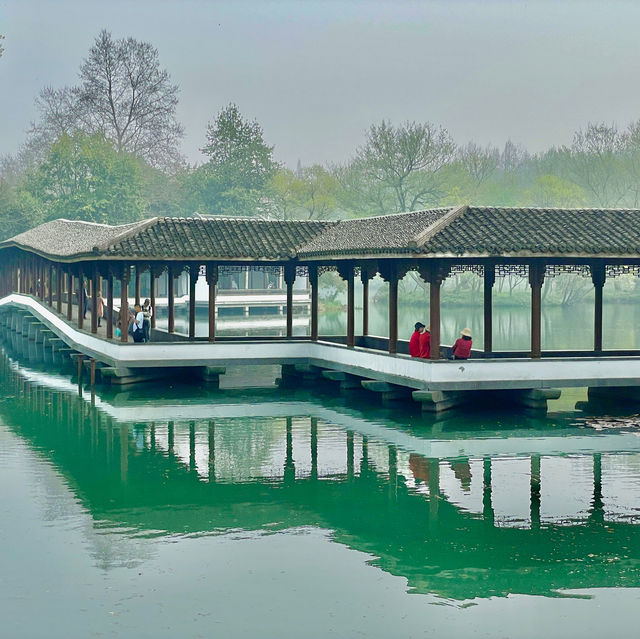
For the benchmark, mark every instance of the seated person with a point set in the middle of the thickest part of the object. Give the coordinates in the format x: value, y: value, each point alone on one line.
x: 425, y: 343
x: 462, y: 347
x: 414, y: 342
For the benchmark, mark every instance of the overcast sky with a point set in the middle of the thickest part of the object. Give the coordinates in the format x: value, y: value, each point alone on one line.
x: 317, y: 74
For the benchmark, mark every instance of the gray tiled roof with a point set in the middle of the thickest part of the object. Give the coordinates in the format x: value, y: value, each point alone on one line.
x: 64, y: 238
x: 383, y: 234
x: 218, y: 238
x: 521, y: 231
x: 463, y: 231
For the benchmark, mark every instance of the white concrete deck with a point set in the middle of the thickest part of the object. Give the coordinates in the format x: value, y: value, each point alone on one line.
x: 399, y: 369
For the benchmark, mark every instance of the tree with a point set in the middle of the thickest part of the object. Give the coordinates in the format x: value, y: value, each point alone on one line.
x: 84, y: 177
x: 399, y: 165
x: 124, y: 95
x: 234, y: 180
x: 1, y: 47
x: 479, y: 162
x: 237, y: 152
x: 553, y: 191
x: 595, y: 162
x: 309, y: 193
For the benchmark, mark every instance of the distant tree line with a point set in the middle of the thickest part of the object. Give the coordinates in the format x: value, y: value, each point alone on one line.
x: 107, y: 150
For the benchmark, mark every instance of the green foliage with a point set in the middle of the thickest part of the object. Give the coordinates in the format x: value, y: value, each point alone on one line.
x: 310, y: 194
x: 83, y: 177
x: 241, y: 164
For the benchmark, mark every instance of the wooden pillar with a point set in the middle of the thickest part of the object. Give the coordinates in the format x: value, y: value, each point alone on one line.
x: 124, y: 303
x: 137, y: 284
x: 489, y: 281
x: 392, y: 278
x: 41, y: 276
x: 194, y: 272
x: 346, y: 273
x: 109, y: 304
x: 289, y: 278
x: 171, y: 327
x: 50, y: 285
x: 434, y: 274
x: 81, y: 300
x: 69, y: 295
x: 536, y: 279
x: 313, y: 284
x: 212, y: 281
x: 598, y: 277
x: 94, y: 299
x: 365, y: 276
x: 59, y: 289
x: 152, y: 293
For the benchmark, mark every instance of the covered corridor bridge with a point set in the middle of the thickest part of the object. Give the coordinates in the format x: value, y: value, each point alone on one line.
x: 43, y: 268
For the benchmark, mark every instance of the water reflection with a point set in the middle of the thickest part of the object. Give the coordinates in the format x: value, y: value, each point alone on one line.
x: 463, y: 509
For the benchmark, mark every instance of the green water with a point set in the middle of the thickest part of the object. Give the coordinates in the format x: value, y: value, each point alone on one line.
x: 173, y: 511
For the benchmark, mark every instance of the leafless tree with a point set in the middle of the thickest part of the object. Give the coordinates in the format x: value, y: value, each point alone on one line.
x: 123, y: 94
x: 479, y: 162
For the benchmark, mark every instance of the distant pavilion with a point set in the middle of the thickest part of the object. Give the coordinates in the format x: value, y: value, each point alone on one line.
x: 54, y: 260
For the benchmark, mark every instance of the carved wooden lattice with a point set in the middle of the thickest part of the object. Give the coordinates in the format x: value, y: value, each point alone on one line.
x: 504, y: 270
x: 478, y: 269
x: 553, y: 270
x: 613, y: 270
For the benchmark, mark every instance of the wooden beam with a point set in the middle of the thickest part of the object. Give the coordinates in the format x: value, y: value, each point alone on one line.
x: 69, y: 295
x: 289, y: 278
x: 365, y: 276
x: 536, y: 279
x: 598, y: 277
x: 171, y: 298
x: 81, y: 298
x: 434, y: 316
x: 489, y: 281
x: 393, y: 313
x: 137, y: 285
x: 212, y: 281
x: 194, y: 272
x: 313, y: 283
x: 110, y: 304
x: 94, y: 299
x: 59, y: 289
x: 125, y: 276
x: 153, y: 274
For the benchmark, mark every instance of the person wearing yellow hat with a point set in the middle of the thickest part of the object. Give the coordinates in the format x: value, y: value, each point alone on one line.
x: 462, y: 346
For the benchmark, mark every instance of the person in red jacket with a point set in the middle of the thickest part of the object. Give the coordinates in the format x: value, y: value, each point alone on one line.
x: 414, y: 342
x: 462, y: 347
x: 425, y: 344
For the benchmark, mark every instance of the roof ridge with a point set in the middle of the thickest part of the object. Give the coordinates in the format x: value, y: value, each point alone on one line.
x: 438, y: 225
x: 140, y: 226
x: 387, y: 215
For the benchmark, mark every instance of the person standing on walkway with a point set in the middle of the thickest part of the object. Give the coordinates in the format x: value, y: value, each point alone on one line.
x: 414, y: 341
x: 147, y: 311
x: 138, y: 324
x: 100, y: 307
x: 425, y: 343
x: 462, y: 346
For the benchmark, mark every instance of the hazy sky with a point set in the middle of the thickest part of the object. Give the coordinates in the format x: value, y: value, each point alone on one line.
x: 317, y: 74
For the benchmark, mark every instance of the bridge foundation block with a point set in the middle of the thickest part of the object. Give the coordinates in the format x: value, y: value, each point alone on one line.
x: 439, y: 401
x: 389, y: 393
